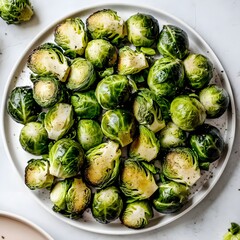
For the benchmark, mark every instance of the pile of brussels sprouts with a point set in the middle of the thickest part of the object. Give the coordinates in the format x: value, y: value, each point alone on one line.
x: 115, y: 115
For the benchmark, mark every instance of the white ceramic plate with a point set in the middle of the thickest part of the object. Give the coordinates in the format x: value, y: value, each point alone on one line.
x: 14, y: 227
x: 227, y: 123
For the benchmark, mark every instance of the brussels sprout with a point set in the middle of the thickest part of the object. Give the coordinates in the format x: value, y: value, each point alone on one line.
x: 82, y: 75
x: 173, y: 42
x: 89, y: 133
x: 107, y: 205
x: 145, y: 146
x: 101, y: 53
x: 106, y: 24
x: 37, y: 174
x: 215, y: 100
x: 181, y: 165
x: 143, y: 29
x: 21, y: 105
x: 130, y: 61
x: 85, y: 104
x: 147, y: 111
x: 34, y: 138
x: 66, y: 158
x: 136, y: 181
x: 187, y: 112
x: 58, y: 120
x: 198, y: 70
x: 71, y: 36
x: 48, y: 59
x: 16, y: 11
x: 70, y: 197
x: 137, y: 214
x: 113, y: 91
x: 170, y: 197
x: 233, y: 232
x: 148, y: 51
x: 102, y: 164
x: 166, y: 77
x: 172, y: 136
x: 119, y: 125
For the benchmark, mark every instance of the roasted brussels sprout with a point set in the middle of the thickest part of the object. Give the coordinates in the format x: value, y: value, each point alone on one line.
x: 113, y: 91
x: 107, y: 204
x: 173, y: 42
x: 70, y: 197
x: 58, y: 120
x: 66, y: 158
x: 143, y: 30
x: 145, y: 146
x: 82, y: 75
x: 119, y: 125
x: 48, y: 59
x: 233, y: 232
x: 137, y: 214
x: 21, y: 105
x: 147, y: 111
x: 89, y: 133
x: 166, y: 77
x: 198, y: 70
x: 102, y: 164
x: 85, y: 104
x: 34, y: 138
x: 16, y: 11
x: 37, y: 174
x: 181, y: 165
x: 71, y: 36
x: 101, y: 53
x: 170, y: 197
x: 106, y: 24
x: 136, y: 181
x: 187, y: 112
x: 215, y: 100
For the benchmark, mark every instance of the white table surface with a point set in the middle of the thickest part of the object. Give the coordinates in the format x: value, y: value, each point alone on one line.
x: 218, y: 22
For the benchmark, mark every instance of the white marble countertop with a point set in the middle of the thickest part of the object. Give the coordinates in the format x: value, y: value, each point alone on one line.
x: 218, y: 22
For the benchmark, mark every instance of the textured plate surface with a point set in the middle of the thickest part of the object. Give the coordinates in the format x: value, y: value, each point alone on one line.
x: 227, y: 123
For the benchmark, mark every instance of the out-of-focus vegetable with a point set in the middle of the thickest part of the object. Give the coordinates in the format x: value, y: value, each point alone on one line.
x: 215, y: 100
x: 107, y: 204
x: 173, y: 42
x: 102, y: 164
x: 233, y: 232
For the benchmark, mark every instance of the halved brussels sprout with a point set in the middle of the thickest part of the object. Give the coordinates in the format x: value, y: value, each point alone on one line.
x: 102, y: 164
x: 170, y: 197
x: 136, y: 181
x: 181, y: 165
x: 166, y: 77
x: 215, y: 100
x: 143, y: 29
x: 130, y: 61
x: 113, y: 91
x: 145, y: 146
x: 187, y: 112
x: 137, y: 214
x: 21, y: 105
x: 37, y: 174
x: 48, y: 59
x: 107, y: 204
x: 34, y: 138
x: 198, y: 70
x: 119, y: 125
x: 85, y: 104
x: 106, y: 24
x: 101, y: 53
x: 58, y: 120
x: 66, y: 158
x: 233, y: 232
x: 173, y: 42
x: 71, y: 36
x: 82, y: 75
